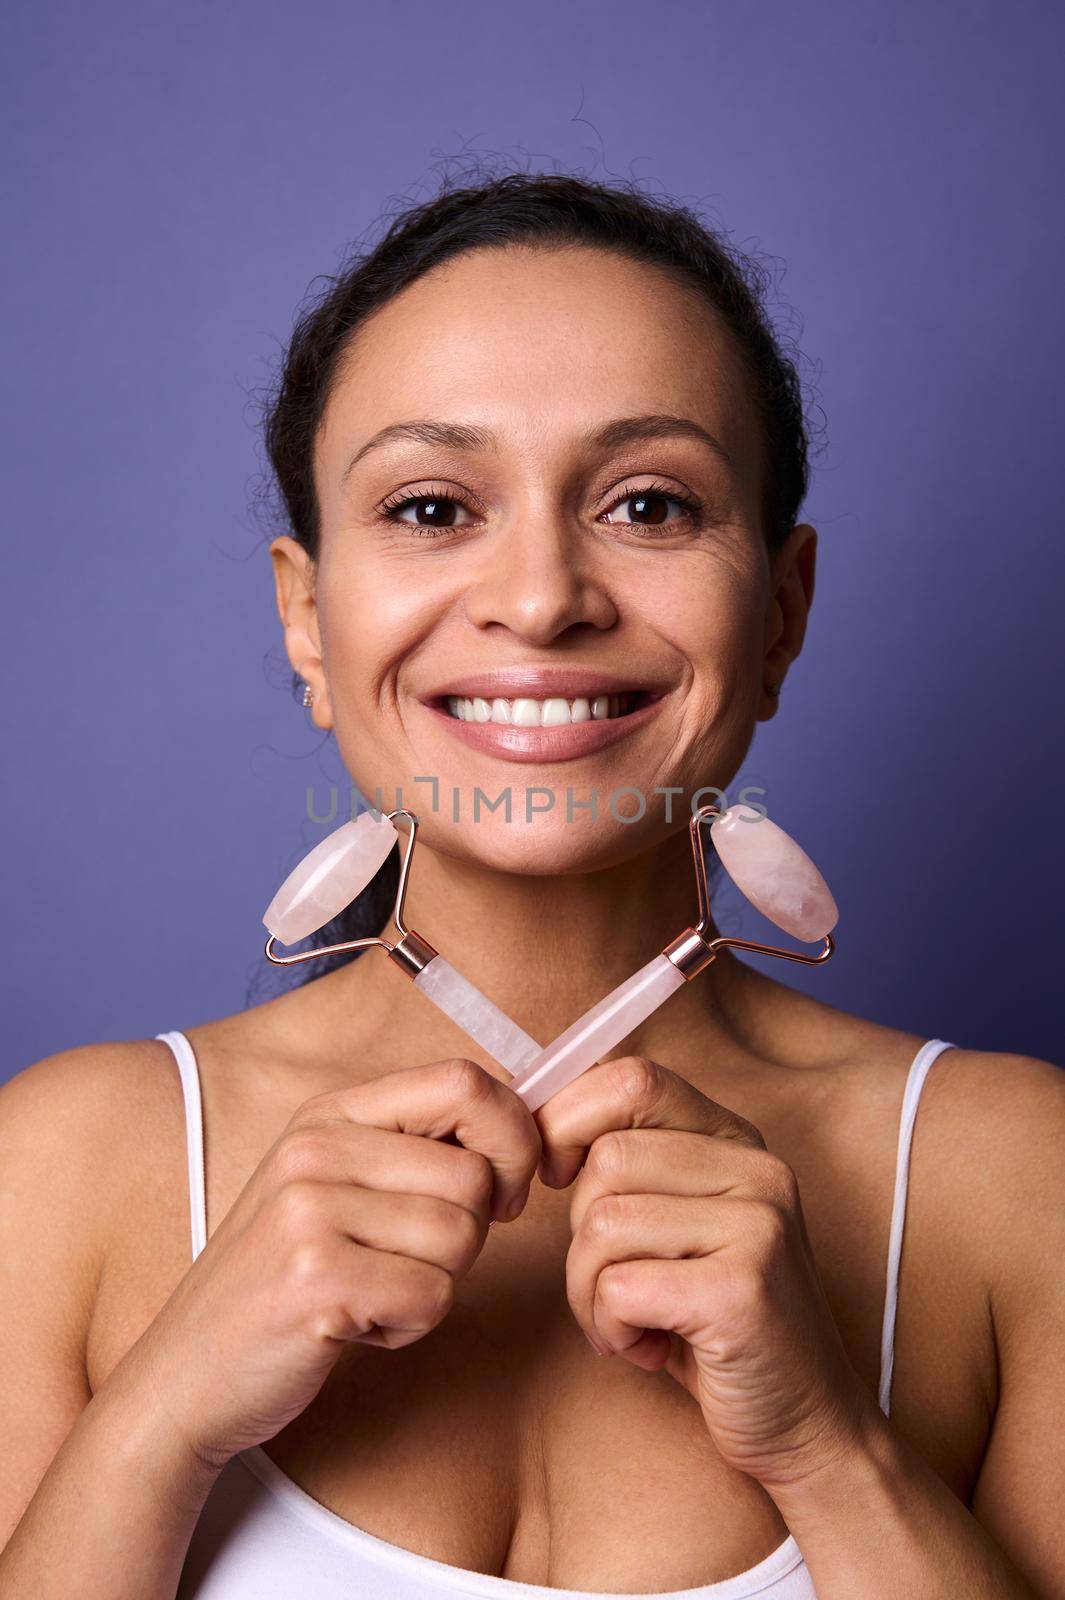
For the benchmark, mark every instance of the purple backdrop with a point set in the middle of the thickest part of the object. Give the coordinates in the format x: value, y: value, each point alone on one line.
x: 178, y: 177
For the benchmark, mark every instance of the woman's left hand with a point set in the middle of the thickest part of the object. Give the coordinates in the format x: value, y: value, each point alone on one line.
x: 690, y: 1254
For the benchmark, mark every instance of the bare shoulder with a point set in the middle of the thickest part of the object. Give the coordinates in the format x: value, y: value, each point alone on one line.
x: 102, y: 1125
x: 104, y: 1119
x: 94, y: 1204
x: 76, y: 1128
x: 990, y: 1124
x: 1001, y: 1110
x: 986, y: 1170
x: 994, y: 1124
x: 986, y: 1160
x: 983, y: 1264
x: 1007, y: 1099
x: 86, y: 1102
x: 1002, y: 1114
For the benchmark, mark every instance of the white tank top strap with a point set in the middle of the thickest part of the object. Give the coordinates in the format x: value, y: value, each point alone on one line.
x: 922, y: 1063
x: 190, y: 1089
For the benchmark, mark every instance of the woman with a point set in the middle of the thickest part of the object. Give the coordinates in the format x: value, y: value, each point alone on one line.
x: 542, y: 460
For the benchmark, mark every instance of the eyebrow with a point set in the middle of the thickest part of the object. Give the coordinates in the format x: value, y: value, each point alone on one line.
x: 467, y: 436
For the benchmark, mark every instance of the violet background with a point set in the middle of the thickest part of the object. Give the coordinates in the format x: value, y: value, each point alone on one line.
x: 176, y: 178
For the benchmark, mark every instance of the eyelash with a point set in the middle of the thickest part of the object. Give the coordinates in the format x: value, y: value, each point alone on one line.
x: 691, y: 507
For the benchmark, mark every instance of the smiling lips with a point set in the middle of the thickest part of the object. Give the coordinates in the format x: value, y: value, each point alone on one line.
x: 539, y: 715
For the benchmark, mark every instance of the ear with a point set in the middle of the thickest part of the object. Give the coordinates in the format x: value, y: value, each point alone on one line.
x: 791, y: 596
x: 294, y: 583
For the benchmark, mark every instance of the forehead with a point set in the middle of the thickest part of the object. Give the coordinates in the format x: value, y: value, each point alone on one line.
x: 539, y: 344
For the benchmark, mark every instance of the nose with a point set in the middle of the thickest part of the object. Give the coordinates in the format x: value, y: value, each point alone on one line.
x: 537, y: 581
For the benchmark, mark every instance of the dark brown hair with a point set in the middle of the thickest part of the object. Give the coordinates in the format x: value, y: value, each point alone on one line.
x: 558, y: 210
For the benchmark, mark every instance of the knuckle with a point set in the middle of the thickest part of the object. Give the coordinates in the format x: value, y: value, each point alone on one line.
x: 774, y: 1178
x: 781, y: 1182
x: 613, y: 1284
x: 465, y: 1231
x: 316, y: 1107
x: 454, y: 1230
x: 300, y: 1153
x: 550, y: 1127
x: 438, y: 1295
x: 398, y: 1338
x: 299, y: 1204
x: 333, y: 1321
x: 310, y: 1265
x: 768, y: 1227
x: 605, y: 1216
x: 475, y: 1179
x: 606, y: 1154
x: 466, y: 1080
x: 638, y: 1078
x: 529, y: 1134
x: 746, y: 1132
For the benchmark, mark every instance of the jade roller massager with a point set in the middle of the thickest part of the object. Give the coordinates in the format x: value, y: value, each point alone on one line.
x: 335, y: 873
x: 775, y: 875
x: 765, y: 864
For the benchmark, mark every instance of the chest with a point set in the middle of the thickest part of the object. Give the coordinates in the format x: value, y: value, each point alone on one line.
x: 502, y: 1443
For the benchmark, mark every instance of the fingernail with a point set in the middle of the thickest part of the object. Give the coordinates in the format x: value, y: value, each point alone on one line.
x: 600, y: 1349
x: 514, y: 1208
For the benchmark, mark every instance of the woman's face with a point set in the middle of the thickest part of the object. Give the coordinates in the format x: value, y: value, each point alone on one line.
x: 529, y: 598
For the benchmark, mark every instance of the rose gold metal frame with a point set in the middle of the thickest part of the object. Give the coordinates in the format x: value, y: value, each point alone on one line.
x: 690, y: 952
x: 693, y: 950
x: 411, y: 953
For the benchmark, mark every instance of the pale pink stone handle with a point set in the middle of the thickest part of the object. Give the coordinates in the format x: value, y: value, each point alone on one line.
x: 475, y: 1014
x: 777, y: 877
x: 330, y: 877
x: 598, y: 1031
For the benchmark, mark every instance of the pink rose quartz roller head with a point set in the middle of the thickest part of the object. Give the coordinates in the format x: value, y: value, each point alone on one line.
x: 777, y: 878
x: 331, y: 876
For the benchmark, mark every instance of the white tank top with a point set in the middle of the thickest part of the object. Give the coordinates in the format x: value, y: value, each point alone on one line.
x: 261, y: 1537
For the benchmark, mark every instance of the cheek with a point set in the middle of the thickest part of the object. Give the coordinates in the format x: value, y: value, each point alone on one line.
x: 714, y: 620
x: 375, y: 617
x: 372, y: 618
x: 368, y: 628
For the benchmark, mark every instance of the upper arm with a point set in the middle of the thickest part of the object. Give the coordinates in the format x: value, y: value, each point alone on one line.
x: 1021, y: 1485
x: 54, y: 1208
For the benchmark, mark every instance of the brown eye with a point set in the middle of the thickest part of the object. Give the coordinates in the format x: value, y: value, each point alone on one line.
x: 433, y: 512
x: 439, y: 510
x: 649, y: 508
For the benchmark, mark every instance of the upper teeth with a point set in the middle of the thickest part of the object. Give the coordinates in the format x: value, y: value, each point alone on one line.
x: 526, y: 713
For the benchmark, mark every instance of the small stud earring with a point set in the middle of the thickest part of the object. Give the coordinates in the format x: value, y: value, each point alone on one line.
x: 773, y: 689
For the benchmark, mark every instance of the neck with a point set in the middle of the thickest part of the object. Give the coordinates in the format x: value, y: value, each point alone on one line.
x: 545, y: 949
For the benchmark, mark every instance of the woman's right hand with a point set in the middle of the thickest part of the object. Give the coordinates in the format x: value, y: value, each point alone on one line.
x: 354, y: 1227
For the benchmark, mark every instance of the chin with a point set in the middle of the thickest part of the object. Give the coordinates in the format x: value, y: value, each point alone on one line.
x: 547, y: 846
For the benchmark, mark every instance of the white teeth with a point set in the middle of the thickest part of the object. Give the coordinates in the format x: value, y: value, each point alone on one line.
x: 525, y: 712
x: 556, y: 713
